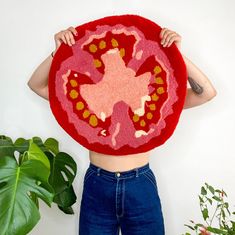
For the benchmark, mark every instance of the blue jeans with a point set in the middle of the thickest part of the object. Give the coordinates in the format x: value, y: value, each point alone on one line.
x: 126, y: 200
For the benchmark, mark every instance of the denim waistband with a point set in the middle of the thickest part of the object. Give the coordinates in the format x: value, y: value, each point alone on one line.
x: 120, y: 174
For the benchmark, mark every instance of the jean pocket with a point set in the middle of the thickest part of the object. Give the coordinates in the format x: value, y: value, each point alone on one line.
x: 149, y: 175
x: 88, y: 174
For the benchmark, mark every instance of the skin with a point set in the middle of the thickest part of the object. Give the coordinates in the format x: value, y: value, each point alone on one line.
x: 201, y: 91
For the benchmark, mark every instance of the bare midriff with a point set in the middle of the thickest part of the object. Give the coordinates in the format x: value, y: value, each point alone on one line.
x: 119, y: 163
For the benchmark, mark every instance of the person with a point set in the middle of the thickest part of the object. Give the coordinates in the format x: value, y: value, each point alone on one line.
x: 121, y: 192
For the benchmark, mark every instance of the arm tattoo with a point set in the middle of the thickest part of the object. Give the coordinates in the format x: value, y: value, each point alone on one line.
x: 195, y: 86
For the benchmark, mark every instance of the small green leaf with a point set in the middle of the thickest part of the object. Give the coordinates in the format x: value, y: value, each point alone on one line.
x: 216, y: 230
x: 203, y: 191
x: 200, y: 198
x: 216, y: 198
x: 211, y: 189
x: 224, y: 193
x: 189, y: 226
x: 200, y: 225
x: 210, y: 201
x: 205, y: 213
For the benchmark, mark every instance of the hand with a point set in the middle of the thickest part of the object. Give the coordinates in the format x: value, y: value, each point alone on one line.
x: 168, y: 37
x: 66, y: 36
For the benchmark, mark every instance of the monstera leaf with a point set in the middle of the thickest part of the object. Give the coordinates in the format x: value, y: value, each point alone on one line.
x: 63, y: 172
x: 6, y: 146
x: 52, y: 145
x: 65, y: 200
x: 62, y: 165
x: 18, y: 212
x: 40, y: 168
x: 36, y: 153
x: 21, y: 145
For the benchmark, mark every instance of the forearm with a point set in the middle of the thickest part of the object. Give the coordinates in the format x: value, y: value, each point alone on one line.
x: 39, y: 79
x: 199, y: 82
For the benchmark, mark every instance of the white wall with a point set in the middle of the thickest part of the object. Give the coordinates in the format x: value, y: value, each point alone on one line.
x: 202, y: 146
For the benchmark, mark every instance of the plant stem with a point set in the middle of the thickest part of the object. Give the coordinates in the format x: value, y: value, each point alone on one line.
x: 214, y: 213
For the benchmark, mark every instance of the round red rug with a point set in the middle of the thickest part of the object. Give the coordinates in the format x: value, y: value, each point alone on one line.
x: 117, y: 90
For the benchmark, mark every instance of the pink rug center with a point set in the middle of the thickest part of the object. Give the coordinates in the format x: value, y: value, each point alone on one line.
x: 119, y: 83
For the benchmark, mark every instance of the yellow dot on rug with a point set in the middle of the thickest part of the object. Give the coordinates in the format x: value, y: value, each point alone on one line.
x: 160, y: 90
x: 157, y: 69
x: 79, y: 105
x: 135, y: 118
x: 86, y: 113
x: 73, y: 83
x: 73, y: 94
x: 93, y: 120
x: 114, y: 42
x: 102, y: 44
x: 97, y: 63
x: 154, y: 97
x: 158, y: 80
x: 122, y: 52
x: 142, y: 123
x: 93, y: 48
x: 149, y: 115
x: 152, y: 107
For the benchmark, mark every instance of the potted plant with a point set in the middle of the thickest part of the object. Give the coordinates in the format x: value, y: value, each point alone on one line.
x: 213, y: 200
x: 29, y: 170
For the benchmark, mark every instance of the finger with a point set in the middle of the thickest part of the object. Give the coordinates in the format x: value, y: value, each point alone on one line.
x: 73, y: 30
x: 59, y: 36
x: 71, y: 37
x: 166, y: 34
x: 162, y: 32
x: 66, y: 34
x: 167, y: 38
x: 172, y: 39
x: 63, y: 38
x: 176, y: 38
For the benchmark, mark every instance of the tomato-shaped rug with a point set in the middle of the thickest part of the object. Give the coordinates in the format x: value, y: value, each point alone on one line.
x: 117, y: 90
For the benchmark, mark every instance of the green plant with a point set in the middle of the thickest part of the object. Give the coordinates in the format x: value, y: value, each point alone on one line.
x: 213, y: 200
x: 31, y: 169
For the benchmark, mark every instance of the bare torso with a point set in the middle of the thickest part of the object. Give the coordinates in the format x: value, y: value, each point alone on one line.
x: 120, y: 163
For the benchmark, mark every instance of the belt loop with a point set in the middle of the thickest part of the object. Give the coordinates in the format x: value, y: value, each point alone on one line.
x: 98, y: 171
x: 137, y: 172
